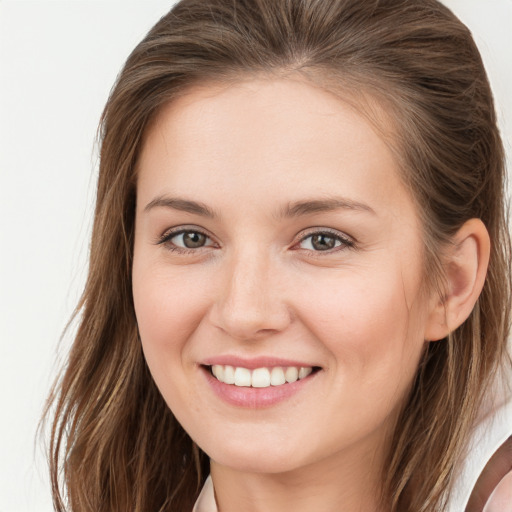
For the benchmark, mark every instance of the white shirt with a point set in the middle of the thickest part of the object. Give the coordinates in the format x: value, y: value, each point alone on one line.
x: 206, y: 500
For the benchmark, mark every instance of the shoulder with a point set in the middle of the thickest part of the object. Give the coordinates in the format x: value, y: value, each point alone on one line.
x: 493, y: 489
x: 485, y: 475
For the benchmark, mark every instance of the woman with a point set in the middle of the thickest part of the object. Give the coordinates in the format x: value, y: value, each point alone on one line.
x: 299, y: 270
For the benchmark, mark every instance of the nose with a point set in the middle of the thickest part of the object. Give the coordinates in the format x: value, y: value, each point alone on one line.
x: 250, y: 301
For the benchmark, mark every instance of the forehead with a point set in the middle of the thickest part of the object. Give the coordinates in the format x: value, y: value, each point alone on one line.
x: 267, y: 136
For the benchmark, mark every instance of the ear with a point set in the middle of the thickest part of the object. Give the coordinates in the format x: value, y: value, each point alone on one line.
x: 465, y: 263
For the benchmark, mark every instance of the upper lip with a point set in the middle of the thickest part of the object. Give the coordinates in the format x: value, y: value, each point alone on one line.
x: 254, y: 362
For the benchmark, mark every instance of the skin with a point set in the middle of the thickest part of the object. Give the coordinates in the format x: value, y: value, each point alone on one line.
x: 258, y: 286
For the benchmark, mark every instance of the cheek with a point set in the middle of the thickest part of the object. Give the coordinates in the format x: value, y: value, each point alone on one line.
x: 169, y: 309
x: 370, y: 323
x: 374, y: 337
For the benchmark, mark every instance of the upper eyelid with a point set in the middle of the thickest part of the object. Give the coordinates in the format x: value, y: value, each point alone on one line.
x: 319, y: 230
x: 347, y: 242
x: 172, y: 232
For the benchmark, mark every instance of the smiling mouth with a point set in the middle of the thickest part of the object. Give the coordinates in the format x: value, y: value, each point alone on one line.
x: 260, y: 377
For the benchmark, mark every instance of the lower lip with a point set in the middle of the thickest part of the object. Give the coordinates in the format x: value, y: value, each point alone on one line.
x: 255, y: 398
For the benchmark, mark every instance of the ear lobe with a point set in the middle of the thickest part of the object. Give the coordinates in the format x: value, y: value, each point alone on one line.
x: 465, y: 263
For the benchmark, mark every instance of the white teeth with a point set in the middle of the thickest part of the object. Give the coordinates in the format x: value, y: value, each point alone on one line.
x: 218, y: 371
x: 229, y: 375
x: 242, y: 377
x: 304, y: 372
x: 291, y: 374
x: 277, y: 376
x: 259, y: 377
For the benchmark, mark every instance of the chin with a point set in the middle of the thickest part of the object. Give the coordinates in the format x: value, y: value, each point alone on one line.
x: 254, y: 458
x: 253, y: 465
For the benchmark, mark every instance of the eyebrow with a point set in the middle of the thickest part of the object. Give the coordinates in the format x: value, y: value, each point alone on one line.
x: 312, y: 206
x: 183, y: 205
x: 294, y: 209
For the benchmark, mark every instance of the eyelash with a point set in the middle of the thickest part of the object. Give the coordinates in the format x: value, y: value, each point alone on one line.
x: 166, y: 238
x: 345, y: 241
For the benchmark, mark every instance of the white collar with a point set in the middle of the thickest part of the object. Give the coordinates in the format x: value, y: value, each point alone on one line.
x: 206, y: 500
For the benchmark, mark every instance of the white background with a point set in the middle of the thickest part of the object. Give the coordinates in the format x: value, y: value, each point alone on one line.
x: 58, y: 60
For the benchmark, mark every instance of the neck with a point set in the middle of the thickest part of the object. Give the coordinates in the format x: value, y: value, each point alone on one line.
x: 341, y: 482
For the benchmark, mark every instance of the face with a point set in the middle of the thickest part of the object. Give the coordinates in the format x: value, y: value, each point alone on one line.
x: 276, y: 247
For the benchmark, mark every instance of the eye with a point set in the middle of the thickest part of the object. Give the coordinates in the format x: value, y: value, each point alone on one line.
x: 323, y: 241
x: 185, y: 240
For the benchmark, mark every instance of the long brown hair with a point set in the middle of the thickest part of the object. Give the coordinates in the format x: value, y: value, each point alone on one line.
x: 116, y: 442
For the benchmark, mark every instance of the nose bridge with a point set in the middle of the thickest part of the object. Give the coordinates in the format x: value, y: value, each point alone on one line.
x: 250, y: 303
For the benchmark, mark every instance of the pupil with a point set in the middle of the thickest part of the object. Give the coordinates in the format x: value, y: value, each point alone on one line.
x: 193, y: 240
x: 323, y: 242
